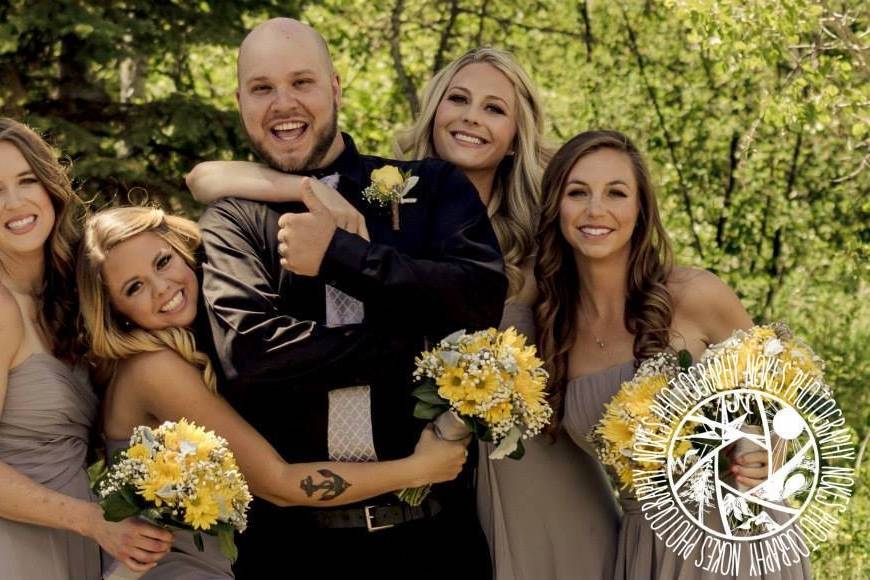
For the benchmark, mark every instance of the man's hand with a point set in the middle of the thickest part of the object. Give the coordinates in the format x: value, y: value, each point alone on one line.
x: 304, y: 237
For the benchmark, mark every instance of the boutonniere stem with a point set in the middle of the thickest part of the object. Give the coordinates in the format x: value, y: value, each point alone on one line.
x: 389, y: 187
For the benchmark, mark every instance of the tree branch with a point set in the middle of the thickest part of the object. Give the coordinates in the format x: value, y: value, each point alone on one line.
x: 405, y: 82
x: 684, y: 190
x: 438, y: 63
x: 775, y: 269
x: 478, y: 39
x: 583, y: 8
x: 507, y: 23
x: 733, y: 160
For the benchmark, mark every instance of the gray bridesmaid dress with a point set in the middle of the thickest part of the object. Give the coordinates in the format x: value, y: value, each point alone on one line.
x: 550, y: 515
x: 184, y: 561
x: 44, y: 429
x: 641, y: 555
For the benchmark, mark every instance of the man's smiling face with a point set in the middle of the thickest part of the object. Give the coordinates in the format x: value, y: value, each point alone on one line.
x: 289, y: 96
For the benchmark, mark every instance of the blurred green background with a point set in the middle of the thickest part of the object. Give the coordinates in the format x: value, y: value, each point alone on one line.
x: 755, y: 116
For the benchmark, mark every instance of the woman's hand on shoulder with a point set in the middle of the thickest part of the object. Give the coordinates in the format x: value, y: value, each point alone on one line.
x: 346, y: 215
x: 711, y: 305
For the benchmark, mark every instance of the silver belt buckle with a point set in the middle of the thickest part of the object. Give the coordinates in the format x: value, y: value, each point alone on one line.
x: 370, y: 517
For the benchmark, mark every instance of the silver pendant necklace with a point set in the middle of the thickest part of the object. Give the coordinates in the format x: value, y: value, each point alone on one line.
x: 598, y: 341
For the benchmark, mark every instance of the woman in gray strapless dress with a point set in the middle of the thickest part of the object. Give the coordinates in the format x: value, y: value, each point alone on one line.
x: 552, y: 514
x: 641, y: 554
x: 44, y: 430
x: 49, y: 525
x: 609, y: 296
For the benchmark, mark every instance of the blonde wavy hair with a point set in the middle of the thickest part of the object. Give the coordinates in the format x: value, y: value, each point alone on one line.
x: 648, y: 305
x: 110, y: 338
x: 58, y: 315
x: 516, y: 192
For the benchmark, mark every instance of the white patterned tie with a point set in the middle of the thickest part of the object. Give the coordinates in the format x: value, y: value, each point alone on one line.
x: 349, y: 433
x: 350, y: 425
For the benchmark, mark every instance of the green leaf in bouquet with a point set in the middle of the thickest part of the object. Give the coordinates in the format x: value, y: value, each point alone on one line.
x: 197, y: 541
x: 97, y: 472
x: 479, y: 428
x: 117, y: 506
x: 423, y: 410
x: 684, y: 359
x: 519, y: 451
x: 227, y: 542
x: 134, y: 498
x: 428, y: 393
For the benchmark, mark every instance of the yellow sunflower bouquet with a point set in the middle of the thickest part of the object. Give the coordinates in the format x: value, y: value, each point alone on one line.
x: 732, y: 366
x: 628, y: 418
x: 179, y: 476
x: 489, y: 383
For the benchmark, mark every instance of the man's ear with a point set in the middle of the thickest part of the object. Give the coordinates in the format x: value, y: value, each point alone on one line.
x: 336, y: 89
x: 238, y: 96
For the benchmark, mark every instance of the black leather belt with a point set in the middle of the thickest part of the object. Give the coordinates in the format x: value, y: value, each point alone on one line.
x: 374, y: 517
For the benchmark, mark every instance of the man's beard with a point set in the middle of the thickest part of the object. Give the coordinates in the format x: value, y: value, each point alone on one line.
x: 322, y: 143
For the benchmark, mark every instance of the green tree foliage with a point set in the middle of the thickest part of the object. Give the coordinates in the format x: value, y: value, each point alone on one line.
x: 754, y: 116
x: 133, y: 92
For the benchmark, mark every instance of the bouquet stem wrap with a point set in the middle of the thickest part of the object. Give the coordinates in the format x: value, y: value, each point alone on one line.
x: 449, y: 427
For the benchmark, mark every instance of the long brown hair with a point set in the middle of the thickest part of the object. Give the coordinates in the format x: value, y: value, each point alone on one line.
x: 648, y: 305
x: 513, y: 207
x: 58, y: 311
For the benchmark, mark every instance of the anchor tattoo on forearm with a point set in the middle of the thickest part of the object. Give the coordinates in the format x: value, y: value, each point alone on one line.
x: 333, y: 486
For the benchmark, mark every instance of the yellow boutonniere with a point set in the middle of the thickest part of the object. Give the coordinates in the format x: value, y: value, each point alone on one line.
x: 389, y: 187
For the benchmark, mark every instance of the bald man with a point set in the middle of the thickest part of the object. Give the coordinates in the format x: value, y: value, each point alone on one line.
x: 315, y: 328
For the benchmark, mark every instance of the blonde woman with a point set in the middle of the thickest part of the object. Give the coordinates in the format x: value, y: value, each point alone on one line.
x: 139, y: 299
x: 482, y: 113
x: 49, y: 526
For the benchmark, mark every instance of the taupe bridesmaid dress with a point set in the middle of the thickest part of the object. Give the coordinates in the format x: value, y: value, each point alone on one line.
x: 641, y: 555
x: 44, y: 428
x: 551, y: 515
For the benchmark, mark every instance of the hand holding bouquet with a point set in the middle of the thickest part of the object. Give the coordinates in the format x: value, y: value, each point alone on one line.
x: 178, y: 476
x: 737, y: 403
x: 489, y: 383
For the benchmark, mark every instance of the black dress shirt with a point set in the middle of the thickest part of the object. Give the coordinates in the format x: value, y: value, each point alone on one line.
x: 440, y: 272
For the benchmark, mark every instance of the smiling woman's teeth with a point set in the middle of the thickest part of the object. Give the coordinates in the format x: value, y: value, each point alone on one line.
x: 174, y: 303
x: 22, y: 223
x: 468, y: 138
x: 595, y: 231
